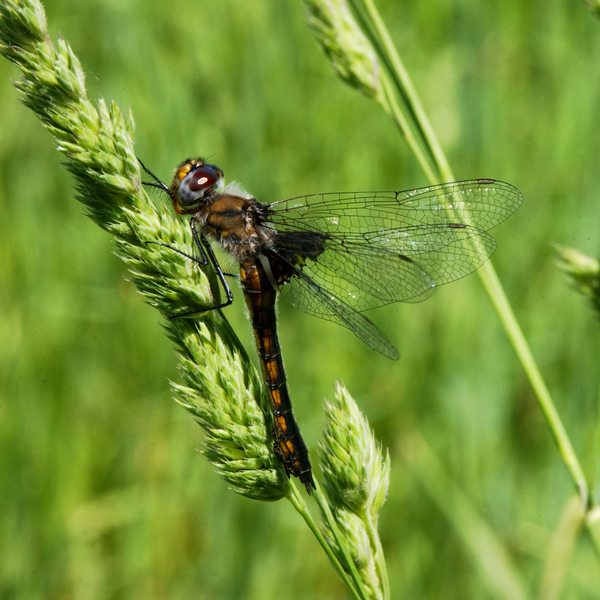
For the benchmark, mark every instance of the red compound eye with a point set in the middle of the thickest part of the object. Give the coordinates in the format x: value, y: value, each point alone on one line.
x: 201, y: 178
x: 195, y: 186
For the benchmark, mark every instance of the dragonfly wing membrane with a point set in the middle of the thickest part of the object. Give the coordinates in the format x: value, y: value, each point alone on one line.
x: 384, y: 247
x: 358, y: 273
x: 446, y: 252
x: 376, y: 268
x: 481, y: 203
x: 306, y: 295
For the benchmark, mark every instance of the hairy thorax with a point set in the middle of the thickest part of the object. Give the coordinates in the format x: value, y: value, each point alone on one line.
x: 234, y: 222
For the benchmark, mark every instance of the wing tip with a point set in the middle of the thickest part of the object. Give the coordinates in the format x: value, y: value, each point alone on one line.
x: 389, y: 351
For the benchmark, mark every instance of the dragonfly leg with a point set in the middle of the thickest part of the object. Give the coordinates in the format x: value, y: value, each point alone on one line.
x: 159, y: 184
x: 207, y: 255
x: 203, y: 261
x: 202, y: 241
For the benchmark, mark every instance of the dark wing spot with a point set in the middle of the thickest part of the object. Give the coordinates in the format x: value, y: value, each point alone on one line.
x: 297, y: 246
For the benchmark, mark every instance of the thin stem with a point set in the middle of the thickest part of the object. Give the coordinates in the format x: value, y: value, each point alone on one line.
x: 397, y: 117
x: 404, y: 83
x: 496, y: 294
x: 369, y: 29
x: 330, y: 520
x: 300, y: 505
x: 379, y: 556
x: 376, y: 28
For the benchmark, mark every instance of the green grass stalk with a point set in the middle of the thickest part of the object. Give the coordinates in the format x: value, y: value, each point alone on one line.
x: 340, y: 542
x: 221, y: 387
x: 301, y: 508
x: 414, y: 118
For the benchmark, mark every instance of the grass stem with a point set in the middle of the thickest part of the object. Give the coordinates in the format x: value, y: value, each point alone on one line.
x: 383, y: 44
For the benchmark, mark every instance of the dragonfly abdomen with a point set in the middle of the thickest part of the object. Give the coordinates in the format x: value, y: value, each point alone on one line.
x: 288, y: 443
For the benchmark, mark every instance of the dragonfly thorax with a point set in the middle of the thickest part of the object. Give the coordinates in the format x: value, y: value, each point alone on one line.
x: 235, y: 223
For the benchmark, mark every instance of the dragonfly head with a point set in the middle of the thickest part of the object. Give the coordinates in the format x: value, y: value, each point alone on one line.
x: 194, y: 182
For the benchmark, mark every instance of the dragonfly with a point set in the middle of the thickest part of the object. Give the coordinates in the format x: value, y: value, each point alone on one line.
x: 334, y: 256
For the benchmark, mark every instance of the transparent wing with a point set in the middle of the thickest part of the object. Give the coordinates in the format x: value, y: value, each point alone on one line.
x: 367, y: 249
x: 384, y: 247
x: 480, y: 203
x: 302, y: 292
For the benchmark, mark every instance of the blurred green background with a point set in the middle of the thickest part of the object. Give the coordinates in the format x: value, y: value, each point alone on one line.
x: 102, y: 491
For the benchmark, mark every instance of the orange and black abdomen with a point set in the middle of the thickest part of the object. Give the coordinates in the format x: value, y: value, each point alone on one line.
x: 260, y: 297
